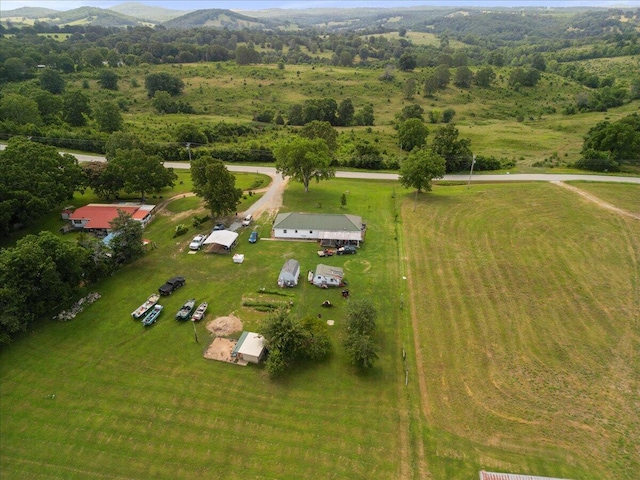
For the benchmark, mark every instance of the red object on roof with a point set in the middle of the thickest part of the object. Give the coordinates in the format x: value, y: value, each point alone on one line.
x: 99, y: 216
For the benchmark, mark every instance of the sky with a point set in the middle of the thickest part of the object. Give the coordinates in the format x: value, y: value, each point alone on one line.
x: 299, y: 4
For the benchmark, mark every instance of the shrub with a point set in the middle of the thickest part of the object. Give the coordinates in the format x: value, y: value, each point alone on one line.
x: 180, y: 230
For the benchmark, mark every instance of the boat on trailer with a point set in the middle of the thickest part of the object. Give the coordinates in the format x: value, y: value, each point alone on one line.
x: 152, y: 316
x: 143, y: 309
x: 199, y: 313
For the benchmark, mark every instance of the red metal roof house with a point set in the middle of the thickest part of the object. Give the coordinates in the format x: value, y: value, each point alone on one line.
x: 96, y: 216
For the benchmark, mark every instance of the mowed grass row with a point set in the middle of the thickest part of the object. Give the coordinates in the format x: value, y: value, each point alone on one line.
x: 103, y: 397
x: 526, y: 304
x: 625, y: 196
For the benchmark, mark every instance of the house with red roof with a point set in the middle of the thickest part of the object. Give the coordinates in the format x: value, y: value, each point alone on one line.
x: 96, y: 217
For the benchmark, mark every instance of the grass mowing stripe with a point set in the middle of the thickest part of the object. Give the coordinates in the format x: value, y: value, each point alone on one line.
x: 547, y: 349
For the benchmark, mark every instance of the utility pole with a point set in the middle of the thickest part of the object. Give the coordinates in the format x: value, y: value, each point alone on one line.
x: 189, y: 150
x: 473, y: 162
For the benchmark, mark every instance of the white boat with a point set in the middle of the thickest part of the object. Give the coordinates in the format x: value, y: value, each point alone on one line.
x: 142, y: 310
x: 199, y: 313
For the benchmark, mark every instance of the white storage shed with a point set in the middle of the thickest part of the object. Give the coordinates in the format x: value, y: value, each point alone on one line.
x: 289, y: 274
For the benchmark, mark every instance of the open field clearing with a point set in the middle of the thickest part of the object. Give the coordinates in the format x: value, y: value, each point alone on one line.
x: 526, y: 309
x: 625, y: 196
x: 102, y: 397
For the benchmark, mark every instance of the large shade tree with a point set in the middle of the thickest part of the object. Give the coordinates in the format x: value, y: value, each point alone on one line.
x: 456, y: 151
x: 34, y: 178
x: 141, y: 172
x: 304, y: 159
x: 420, y: 167
x: 412, y: 133
x: 38, y: 277
x: 216, y: 185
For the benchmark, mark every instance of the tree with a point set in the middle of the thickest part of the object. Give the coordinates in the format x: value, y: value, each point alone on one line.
x: 216, y: 185
x: 303, y: 159
x: 484, y: 77
x: 104, y: 180
x: 108, y: 79
x: 410, y: 111
x: 361, y: 316
x: 365, y: 116
x: 362, y: 350
x: 463, y: 77
x: 289, y: 339
x: 448, y: 114
x: 52, y: 81
x: 141, y: 172
x: 361, y: 324
x: 618, y: 140
x: 75, y: 105
x: 108, y: 117
x: 442, y: 76
x: 120, y: 141
x: 49, y: 106
x: 345, y: 112
x: 526, y: 78
x: 38, y: 276
x: 163, y: 82
x: 409, y: 88
x: 34, y: 178
x: 126, y: 244
x: 412, y: 133
x: 407, y: 62
x: 190, y: 133
x: 19, y: 109
x: 323, y: 130
x: 456, y: 152
x: 420, y: 167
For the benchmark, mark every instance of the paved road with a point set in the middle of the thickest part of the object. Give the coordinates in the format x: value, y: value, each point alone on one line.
x: 516, y: 177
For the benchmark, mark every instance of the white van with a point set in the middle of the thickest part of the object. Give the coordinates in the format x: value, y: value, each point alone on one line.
x: 246, y: 221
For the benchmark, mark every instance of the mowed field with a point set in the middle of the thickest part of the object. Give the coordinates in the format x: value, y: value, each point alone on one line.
x: 103, y: 397
x: 518, y: 307
x: 526, y: 315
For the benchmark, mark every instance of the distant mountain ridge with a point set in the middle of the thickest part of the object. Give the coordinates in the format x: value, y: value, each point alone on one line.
x: 148, y: 13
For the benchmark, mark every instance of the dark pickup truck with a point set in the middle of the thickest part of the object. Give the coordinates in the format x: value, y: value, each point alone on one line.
x: 347, y: 250
x: 172, y: 285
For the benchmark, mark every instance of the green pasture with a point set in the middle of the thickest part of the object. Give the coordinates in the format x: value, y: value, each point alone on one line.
x: 517, y: 306
x: 525, y: 302
x: 102, y: 395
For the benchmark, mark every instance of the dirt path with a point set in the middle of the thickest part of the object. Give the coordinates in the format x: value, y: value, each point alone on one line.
x: 598, y: 201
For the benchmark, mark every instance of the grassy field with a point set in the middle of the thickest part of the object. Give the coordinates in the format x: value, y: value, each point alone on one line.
x: 526, y: 309
x: 103, y: 397
x: 625, y: 196
x: 519, y: 356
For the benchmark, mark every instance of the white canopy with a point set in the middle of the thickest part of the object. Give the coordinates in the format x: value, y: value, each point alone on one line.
x: 226, y: 238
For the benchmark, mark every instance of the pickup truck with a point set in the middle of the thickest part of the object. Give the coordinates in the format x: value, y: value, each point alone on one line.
x: 347, y: 250
x: 172, y: 285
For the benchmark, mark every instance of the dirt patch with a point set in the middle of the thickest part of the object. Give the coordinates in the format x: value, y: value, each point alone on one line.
x: 222, y: 326
x: 598, y: 201
x: 220, y: 349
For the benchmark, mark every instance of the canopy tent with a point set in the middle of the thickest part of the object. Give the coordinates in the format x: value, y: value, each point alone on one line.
x: 221, y: 238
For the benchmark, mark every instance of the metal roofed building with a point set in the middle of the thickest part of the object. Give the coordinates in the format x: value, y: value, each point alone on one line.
x: 96, y: 217
x: 512, y: 476
x: 250, y: 348
x: 329, y: 229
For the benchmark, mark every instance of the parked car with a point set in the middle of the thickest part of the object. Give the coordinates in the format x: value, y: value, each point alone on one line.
x: 246, y: 221
x: 197, y: 242
x: 172, y: 285
x: 219, y: 226
x: 347, y: 250
x: 253, y: 238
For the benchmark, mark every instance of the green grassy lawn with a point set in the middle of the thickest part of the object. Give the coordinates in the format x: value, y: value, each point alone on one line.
x: 525, y: 302
x: 102, y: 395
x: 519, y: 356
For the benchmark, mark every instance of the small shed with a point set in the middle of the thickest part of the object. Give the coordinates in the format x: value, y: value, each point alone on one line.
x: 328, y: 276
x: 250, y: 347
x: 289, y: 274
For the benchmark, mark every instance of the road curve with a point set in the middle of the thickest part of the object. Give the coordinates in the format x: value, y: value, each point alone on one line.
x: 505, y: 177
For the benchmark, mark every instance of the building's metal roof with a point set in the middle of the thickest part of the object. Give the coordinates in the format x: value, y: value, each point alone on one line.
x: 329, y: 271
x: 318, y: 221
x: 290, y: 266
x: 100, y: 215
x: 249, y: 343
x: 512, y: 476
